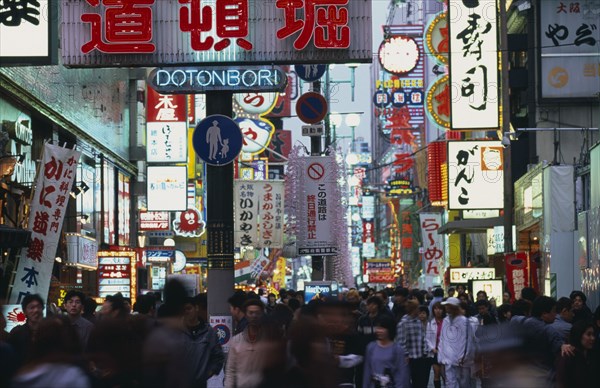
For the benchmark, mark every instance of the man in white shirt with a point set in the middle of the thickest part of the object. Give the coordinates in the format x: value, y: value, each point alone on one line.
x: 456, y: 350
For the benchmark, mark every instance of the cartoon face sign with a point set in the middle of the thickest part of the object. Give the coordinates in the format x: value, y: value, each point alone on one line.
x: 189, y: 223
x: 399, y: 54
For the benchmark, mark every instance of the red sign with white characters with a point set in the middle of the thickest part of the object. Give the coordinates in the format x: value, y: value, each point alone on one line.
x: 165, y: 107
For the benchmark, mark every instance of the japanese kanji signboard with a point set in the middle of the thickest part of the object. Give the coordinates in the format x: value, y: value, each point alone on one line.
x: 517, y: 272
x: 463, y: 275
x: 107, y: 33
x: 258, y: 213
x: 433, y: 243
x: 117, y: 273
x: 473, y: 64
x: 49, y: 202
x: 569, y: 41
x: 475, y: 175
x: 28, y: 32
x: 166, y: 132
x: 316, y: 210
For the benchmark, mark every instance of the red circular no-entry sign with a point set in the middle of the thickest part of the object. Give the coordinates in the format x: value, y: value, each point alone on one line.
x: 315, y: 171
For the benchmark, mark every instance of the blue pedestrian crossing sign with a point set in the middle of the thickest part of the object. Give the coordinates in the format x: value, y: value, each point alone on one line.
x: 217, y: 140
x: 310, y: 73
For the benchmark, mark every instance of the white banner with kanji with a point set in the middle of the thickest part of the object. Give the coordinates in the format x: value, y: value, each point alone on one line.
x: 258, y: 213
x: 433, y: 243
x: 270, y: 212
x: 49, y: 202
x: 316, y: 235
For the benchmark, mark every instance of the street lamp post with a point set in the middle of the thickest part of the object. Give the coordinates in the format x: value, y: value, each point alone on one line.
x: 336, y: 120
x: 352, y: 120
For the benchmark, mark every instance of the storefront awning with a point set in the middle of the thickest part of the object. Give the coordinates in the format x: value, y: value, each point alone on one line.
x: 479, y: 225
x: 14, y: 238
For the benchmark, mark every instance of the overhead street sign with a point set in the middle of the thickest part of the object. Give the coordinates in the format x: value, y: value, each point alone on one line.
x: 190, y: 80
x: 311, y: 107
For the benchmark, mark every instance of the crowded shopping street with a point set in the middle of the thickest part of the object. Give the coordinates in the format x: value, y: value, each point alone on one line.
x: 299, y: 193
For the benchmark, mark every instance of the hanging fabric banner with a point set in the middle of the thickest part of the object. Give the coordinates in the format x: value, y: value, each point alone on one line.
x: 433, y: 243
x: 317, y: 208
x: 49, y: 202
x: 259, y: 213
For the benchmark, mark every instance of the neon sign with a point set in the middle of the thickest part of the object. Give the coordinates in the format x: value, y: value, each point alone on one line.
x: 199, y: 80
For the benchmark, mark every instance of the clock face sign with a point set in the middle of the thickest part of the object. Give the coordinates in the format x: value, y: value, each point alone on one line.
x: 399, y: 54
x: 179, y: 262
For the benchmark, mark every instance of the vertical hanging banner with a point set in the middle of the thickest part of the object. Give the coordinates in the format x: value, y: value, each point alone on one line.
x: 433, y: 243
x: 245, y: 199
x: 166, y: 128
x: 50, y: 199
x: 473, y: 32
x: 317, y: 207
x: 517, y: 272
x: 258, y: 213
x: 475, y: 175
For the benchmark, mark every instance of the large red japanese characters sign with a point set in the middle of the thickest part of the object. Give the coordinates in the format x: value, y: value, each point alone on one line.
x: 433, y: 243
x: 112, y: 33
x: 48, y: 205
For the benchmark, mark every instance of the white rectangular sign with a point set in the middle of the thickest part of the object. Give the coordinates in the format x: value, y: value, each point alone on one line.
x: 27, y: 30
x: 167, y: 188
x: 167, y: 142
x: 258, y: 213
x: 433, y: 243
x: 316, y: 212
x: 82, y: 250
x: 463, y: 275
x: 473, y: 38
x: 48, y: 206
x: 569, y: 36
x: 475, y: 175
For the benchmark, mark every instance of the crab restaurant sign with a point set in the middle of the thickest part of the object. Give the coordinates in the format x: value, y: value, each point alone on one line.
x: 107, y: 33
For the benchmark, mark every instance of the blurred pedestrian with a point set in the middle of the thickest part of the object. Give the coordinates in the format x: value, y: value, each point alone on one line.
x: 21, y: 337
x: 236, y: 308
x: 564, y: 317
x: 456, y: 350
x: 245, y: 361
x: 54, y: 359
x: 581, y: 312
x: 411, y: 335
x: 89, y: 309
x: 580, y: 370
x: 114, y: 307
x: 432, y: 338
x: 74, y: 306
x: 386, y: 361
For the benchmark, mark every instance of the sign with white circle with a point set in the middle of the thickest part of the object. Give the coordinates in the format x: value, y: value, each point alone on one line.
x: 256, y: 103
x: 257, y: 134
x: 179, y: 261
x: 399, y: 54
x: 217, y: 140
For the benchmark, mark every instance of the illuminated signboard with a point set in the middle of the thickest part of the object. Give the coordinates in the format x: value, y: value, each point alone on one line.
x: 473, y: 64
x: 475, y: 175
x: 28, y: 32
x: 199, y: 80
x: 168, y: 32
x: 117, y: 273
x: 463, y: 275
x: 154, y: 220
x: 167, y: 188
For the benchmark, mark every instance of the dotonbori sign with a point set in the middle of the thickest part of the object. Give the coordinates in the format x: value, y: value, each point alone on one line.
x: 103, y: 33
x: 191, y: 80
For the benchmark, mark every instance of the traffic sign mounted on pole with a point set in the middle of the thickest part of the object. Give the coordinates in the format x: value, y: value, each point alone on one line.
x: 310, y: 73
x: 312, y: 130
x: 311, y: 107
x: 217, y: 140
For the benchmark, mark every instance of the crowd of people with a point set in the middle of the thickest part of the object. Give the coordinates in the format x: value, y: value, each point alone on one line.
x: 372, y: 339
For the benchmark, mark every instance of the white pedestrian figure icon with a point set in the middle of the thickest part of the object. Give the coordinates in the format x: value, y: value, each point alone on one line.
x: 308, y: 71
x: 225, y: 148
x: 213, y: 138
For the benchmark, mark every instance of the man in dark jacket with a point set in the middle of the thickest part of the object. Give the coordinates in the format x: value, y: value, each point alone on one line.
x: 20, y: 337
x: 581, y: 312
